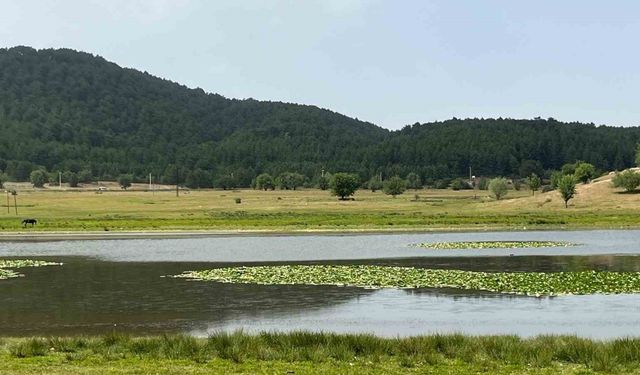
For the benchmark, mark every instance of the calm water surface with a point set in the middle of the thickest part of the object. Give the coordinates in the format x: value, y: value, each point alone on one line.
x: 119, y: 284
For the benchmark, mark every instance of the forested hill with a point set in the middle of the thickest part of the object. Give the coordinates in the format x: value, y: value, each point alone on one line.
x: 63, y: 110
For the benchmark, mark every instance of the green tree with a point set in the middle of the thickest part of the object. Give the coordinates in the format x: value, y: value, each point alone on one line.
x: 629, y: 180
x: 71, y: 178
x: 125, y: 181
x: 38, y: 178
x: 460, y: 184
x: 567, y: 188
x: 394, y: 186
x: 344, y: 185
x: 324, y: 181
x: 555, y: 179
x: 374, y: 183
x: 198, y: 178
x: 265, y: 182
x: 498, y: 187
x: 289, y: 180
x: 534, y: 183
x: 413, y: 181
x: 584, y: 172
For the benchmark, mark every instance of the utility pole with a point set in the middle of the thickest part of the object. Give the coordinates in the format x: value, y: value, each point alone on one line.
x: 60, y: 180
x: 177, y: 182
x: 7, y: 191
x: 150, y: 181
x: 15, y: 200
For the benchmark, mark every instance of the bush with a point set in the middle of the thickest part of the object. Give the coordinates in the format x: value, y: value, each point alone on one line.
x: 414, y: 181
x: 125, y: 181
x: 483, y: 183
x: 460, y: 184
x: 555, y: 178
x: 498, y: 187
x: 324, y: 181
x: 584, y: 172
x: 238, y: 200
x: 344, y: 185
x: 442, y: 184
x: 289, y: 180
x: 629, y: 180
x: 374, y: 184
x: 394, y: 186
x: 265, y: 182
x: 38, y: 178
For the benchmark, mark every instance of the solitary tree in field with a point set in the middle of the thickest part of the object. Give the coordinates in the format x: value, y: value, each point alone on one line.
x: 394, y: 186
x: 265, y: 182
x: 629, y: 180
x: 567, y: 188
x: 413, y: 181
x: 344, y: 185
x: 534, y: 183
x: 498, y: 187
x: 38, y: 178
x: 289, y: 180
x: 125, y: 181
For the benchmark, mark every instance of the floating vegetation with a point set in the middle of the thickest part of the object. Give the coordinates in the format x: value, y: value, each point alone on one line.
x: 6, y: 273
x: 525, y: 283
x: 466, y: 245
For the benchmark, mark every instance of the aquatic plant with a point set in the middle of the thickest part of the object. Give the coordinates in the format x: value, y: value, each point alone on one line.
x: 6, y: 273
x: 465, y: 245
x: 366, y: 276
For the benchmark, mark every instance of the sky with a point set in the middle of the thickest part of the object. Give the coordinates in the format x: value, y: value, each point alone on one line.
x: 391, y: 62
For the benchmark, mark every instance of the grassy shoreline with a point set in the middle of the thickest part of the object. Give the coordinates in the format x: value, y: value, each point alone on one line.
x: 597, y: 206
x: 305, y: 352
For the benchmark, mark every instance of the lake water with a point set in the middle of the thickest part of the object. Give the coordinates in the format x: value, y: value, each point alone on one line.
x: 119, y: 284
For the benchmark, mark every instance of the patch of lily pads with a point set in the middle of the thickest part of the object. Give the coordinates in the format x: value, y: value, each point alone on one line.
x: 366, y: 276
x: 467, y: 245
x: 7, y: 265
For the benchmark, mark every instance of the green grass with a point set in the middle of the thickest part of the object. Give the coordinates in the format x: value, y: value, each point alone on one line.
x: 304, y: 352
x: 525, y: 283
x: 596, y: 206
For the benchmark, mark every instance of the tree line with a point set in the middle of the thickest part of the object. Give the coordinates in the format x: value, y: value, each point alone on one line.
x: 63, y: 111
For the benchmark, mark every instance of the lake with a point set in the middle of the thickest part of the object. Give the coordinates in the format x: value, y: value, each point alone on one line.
x: 107, y: 285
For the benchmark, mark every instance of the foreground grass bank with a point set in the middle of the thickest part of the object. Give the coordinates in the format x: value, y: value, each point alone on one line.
x: 303, y: 353
x: 597, y: 205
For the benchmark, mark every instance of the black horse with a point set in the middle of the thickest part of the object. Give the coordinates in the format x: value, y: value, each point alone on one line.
x: 29, y: 221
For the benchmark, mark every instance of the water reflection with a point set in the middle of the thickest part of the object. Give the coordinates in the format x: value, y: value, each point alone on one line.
x: 87, y: 295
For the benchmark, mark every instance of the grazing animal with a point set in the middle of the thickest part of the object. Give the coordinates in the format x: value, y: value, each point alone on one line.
x: 29, y: 221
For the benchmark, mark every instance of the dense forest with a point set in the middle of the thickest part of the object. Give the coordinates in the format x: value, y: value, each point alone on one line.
x: 68, y: 111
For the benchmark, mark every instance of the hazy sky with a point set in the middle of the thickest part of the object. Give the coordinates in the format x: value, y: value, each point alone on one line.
x: 389, y: 62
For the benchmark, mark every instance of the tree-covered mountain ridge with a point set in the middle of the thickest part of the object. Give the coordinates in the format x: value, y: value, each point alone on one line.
x: 63, y: 110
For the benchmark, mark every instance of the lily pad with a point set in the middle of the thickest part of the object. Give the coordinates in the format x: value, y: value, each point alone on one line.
x: 467, y: 245
x: 6, y: 273
x: 365, y: 276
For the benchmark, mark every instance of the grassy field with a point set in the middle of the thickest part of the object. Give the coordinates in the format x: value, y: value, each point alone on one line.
x: 305, y: 353
x: 597, y: 205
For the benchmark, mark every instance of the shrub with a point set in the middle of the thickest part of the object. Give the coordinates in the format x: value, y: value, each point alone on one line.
x: 460, y: 184
x: 265, y: 182
x: 374, y: 184
x: 534, y: 183
x: 629, y: 180
x: 38, y: 178
x: 125, y: 181
x: 498, y: 187
x: 414, y: 181
x: 584, y: 172
x: 394, y: 186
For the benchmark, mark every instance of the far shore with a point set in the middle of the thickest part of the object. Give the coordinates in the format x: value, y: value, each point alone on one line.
x: 129, y: 235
